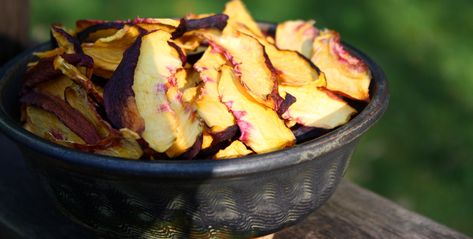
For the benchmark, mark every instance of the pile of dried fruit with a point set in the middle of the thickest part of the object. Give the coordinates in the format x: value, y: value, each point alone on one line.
x: 204, y: 86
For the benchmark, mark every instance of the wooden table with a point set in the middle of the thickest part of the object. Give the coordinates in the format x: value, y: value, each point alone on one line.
x: 352, y: 212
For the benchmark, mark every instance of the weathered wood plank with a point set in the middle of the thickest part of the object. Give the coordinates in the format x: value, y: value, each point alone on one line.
x: 352, y: 212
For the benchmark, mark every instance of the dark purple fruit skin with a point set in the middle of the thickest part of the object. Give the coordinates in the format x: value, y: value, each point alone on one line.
x: 192, y: 151
x: 44, y: 70
x: 71, y: 117
x: 82, y: 35
x: 118, y: 92
x: 217, y: 21
x: 182, y: 54
x: 74, y: 41
x: 286, y: 103
x: 79, y: 59
x: 226, y: 134
x: 304, y: 133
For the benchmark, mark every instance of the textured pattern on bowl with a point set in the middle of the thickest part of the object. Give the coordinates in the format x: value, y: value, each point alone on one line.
x: 237, y: 198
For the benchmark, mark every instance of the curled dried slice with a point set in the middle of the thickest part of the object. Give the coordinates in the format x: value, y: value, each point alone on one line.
x: 47, y: 125
x: 261, y: 128
x: 92, y: 30
x: 239, y: 15
x: 297, y: 36
x: 316, y: 107
x: 65, y: 40
x: 46, y: 69
x: 72, y: 118
x: 154, y: 24
x: 346, y: 74
x: 51, y: 53
x: 210, y: 109
x: 108, y: 52
x: 217, y: 21
x: 291, y: 67
x: 78, y: 99
x: 127, y: 146
x: 76, y: 75
x: 119, y: 98
x: 154, y: 74
x: 188, y: 127
x: 250, y: 64
x: 55, y: 87
x: 234, y: 150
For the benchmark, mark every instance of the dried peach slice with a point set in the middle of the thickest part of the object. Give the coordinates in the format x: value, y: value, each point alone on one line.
x: 346, y: 74
x: 47, y: 125
x: 108, y: 52
x: 239, y: 15
x: 188, y: 127
x: 234, y: 150
x: 119, y: 98
x: 210, y: 109
x: 154, y: 75
x: 72, y: 118
x: 92, y: 30
x: 297, y: 36
x: 315, y: 106
x: 250, y: 64
x: 261, y: 128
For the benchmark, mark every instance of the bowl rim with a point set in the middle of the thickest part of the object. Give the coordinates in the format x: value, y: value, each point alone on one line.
x: 107, y: 165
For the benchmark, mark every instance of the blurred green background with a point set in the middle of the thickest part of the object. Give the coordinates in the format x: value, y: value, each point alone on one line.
x: 421, y: 153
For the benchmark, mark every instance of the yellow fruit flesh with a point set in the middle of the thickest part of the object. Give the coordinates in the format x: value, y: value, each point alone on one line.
x: 262, y: 130
x: 316, y: 107
x: 234, y: 150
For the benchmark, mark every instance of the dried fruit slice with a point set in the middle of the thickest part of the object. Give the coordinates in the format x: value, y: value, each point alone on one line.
x: 45, y: 70
x: 65, y: 40
x: 217, y: 21
x: 77, y: 98
x: 154, y: 24
x: 119, y: 98
x: 251, y: 65
x: 207, y: 140
x: 51, y: 53
x: 291, y: 67
x: 55, y: 87
x: 127, y: 147
x: 210, y: 109
x: 346, y: 74
x: 296, y: 36
x: 316, y: 107
x: 47, y: 125
x: 158, y: 98
x: 239, y: 15
x: 72, y: 118
x: 91, y: 32
x: 261, y: 128
x: 108, y: 52
x: 75, y: 75
x: 188, y: 127
x: 234, y: 150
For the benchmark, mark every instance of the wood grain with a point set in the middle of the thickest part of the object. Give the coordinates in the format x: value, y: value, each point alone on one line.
x: 354, y: 212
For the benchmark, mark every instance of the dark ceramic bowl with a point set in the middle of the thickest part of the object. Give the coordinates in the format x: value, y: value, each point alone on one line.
x: 236, y: 198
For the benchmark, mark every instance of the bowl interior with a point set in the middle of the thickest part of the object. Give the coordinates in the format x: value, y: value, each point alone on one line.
x: 10, y: 82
